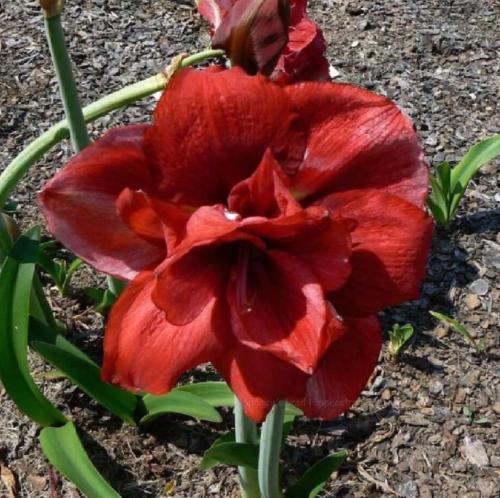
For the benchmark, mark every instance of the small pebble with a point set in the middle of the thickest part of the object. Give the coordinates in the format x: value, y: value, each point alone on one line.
x: 479, y: 287
x: 409, y: 489
x: 442, y: 331
x: 386, y: 395
x: 474, y: 452
x: 472, y: 301
x: 435, y: 387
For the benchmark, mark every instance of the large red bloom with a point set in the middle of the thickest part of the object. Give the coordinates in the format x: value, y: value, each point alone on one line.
x: 261, y: 226
x: 258, y: 34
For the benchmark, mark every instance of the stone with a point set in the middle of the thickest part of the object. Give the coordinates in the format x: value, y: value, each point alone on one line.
x: 487, y: 487
x: 442, y: 331
x: 472, y: 301
x: 474, y: 452
x: 435, y: 387
x: 386, y: 394
x: 479, y: 287
x: 409, y: 489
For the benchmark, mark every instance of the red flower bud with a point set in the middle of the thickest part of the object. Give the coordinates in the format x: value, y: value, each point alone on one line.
x: 254, y: 34
x: 52, y: 8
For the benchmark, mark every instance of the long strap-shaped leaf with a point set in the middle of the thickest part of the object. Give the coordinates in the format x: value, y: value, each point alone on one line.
x: 16, y: 280
x: 63, y: 448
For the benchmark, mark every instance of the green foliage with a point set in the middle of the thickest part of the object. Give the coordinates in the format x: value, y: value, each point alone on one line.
x: 449, y: 185
x: 471, y: 416
x: 226, y: 451
x: 479, y: 346
x: 215, y: 393
x: 65, y: 451
x: 87, y: 376
x: 16, y: 281
x: 313, y: 481
x: 104, y: 299
x: 59, y: 270
x: 398, y: 338
x: 178, y: 402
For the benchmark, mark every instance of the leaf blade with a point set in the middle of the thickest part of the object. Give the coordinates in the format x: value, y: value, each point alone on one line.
x: 63, y: 448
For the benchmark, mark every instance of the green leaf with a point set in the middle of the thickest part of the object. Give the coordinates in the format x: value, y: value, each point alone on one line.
x: 65, y: 451
x: 214, y: 393
x: 104, y: 299
x: 443, y: 176
x: 71, y: 269
x: 178, y: 402
x: 477, y: 156
x: 39, y: 332
x: 399, y: 336
x: 87, y: 376
x: 16, y: 280
x: 438, y: 203
x: 457, y: 327
x: 207, y: 462
x: 462, y: 173
x: 313, y: 481
x: 231, y: 453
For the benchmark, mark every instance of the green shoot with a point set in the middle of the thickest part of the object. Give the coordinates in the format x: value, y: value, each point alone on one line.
x: 460, y: 329
x: 449, y: 185
x: 398, y: 338
x: 60, y: 271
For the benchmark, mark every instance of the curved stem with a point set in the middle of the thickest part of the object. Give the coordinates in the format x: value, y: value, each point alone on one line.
x: 271, y: 438
x: 246, y: 432
x: 121, y: 98
x: 66, y: 81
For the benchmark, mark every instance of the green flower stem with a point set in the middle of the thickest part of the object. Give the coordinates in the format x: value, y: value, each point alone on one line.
x: 60, y: 131
x: 67, y: 87
x: 271, y: 438
x: 246, y: 432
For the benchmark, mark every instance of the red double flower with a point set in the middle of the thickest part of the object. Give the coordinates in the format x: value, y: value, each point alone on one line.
x: 261, y: 226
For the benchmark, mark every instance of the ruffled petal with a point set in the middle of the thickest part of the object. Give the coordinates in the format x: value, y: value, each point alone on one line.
x: 279, y: 307
x: 80, y: 201
x: 356, y: 140
x: 390, y: 245
x: 266, y: 193
x: 259, y: 379
x: 344, y: 370
x: 143, y: 352
x: 207, y: 137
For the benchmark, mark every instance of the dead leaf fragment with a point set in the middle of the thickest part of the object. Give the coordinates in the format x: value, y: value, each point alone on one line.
x: 474, y: 452
x: 9, y: 481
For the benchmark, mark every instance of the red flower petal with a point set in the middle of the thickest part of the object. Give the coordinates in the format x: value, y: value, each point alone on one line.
x: 259, y: 379
x: 265, y: 193
x: 135, y: 210
x: 287, y: 314
x: 186, y: 286
x: 207, y: 137
x: 142, y: 351
x: 344, y: 370
x: 214, y: 10
x: 80, y: 201
x: 326, y: 249
x: 390, y: 246
x: 357, y: 140
x: 303, y: 58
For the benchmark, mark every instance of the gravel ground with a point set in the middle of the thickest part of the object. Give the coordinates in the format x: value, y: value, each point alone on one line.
x: 407, y: 435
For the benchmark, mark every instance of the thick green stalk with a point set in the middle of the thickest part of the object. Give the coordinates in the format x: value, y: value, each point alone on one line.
x: 67, y: 87
x: 271, y: 438
x: 246, y: 432
x: 60, y: 131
